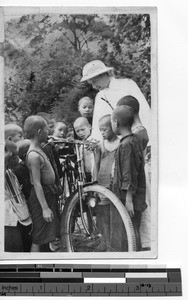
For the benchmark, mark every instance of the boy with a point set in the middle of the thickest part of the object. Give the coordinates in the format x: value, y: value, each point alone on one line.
x: 13, y: 132
x: 105, y: 153
x: 141, y: 133
x: 13, y: 239
x: 129, y: 177
x: 42, y: 200
x: 60, y: 130
x: 49, y: 149
x: 85, y: 108
x: 83, y: 131
x: 22, y: 173
x: 82, y: 128
x: 137, y: 128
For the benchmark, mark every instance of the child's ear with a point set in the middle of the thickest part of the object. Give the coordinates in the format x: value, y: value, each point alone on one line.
x: 39, y: 132
x: 117, y: 123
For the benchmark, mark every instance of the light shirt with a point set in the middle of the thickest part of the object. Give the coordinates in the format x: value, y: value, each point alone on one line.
x: 117, y: 89
x: 11, y: 218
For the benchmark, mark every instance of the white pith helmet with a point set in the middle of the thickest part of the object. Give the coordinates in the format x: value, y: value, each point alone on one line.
x: 93, y: 69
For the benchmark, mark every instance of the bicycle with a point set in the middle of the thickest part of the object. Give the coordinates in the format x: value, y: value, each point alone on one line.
x: 79, y: 225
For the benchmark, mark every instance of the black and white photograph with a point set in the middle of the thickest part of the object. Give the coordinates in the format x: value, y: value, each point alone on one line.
x: 79, y: 132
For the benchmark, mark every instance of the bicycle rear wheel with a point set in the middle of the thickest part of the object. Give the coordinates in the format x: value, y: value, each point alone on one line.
x: 95, y: 235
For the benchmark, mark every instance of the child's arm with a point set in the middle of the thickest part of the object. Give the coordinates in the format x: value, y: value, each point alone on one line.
x: 129, y: 203
x: 97, y: 154
x: 34, y: 161
x: 127, y: 178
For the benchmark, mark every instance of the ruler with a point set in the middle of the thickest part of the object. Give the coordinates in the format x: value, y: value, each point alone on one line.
x: 89, y: 280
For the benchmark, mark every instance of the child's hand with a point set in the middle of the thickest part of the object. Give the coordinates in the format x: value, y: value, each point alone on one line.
x: 130, y: 209
x: 48, y: 215
x: 70, y: 139
x: 91, y: 145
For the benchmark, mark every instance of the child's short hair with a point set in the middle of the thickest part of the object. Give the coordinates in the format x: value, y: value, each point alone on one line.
x: 106, y: 119
x: 23, y: 146
x: 11, y: 130
x: 130, y: 101
x: 81, y: 121
x: 32, y: 125
x: 60, y: 123
x: 84, y: 99
x: 124, y: 115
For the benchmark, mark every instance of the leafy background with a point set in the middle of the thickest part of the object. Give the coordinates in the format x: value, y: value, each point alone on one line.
x: 45, y: 53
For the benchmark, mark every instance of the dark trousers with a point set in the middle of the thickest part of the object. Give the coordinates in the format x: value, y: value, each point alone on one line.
x: 26, y: 236
x: 13, y: 239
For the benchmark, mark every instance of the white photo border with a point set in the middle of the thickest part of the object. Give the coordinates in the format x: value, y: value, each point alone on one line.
x: 152, y: 11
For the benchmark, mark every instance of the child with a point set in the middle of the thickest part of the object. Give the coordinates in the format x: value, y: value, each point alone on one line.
x: 85, y: 108
x: 22, y: 173
x: 83, y: 130
x: 137, y: 128
x: 49, y: 149
x: 106, y: 150
x: 105, y: 153
x: 42, y: 200
x: 60, y: 130
x: 129, y: 177
x: 141, y: 133
x: 13, y: 132
x: 12, y: 233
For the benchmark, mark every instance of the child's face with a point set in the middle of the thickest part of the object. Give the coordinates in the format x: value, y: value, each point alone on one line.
x: 106, y: 131
x: 44, y: 133
x: 83, y: 131
x: 51, y: 125
x: 86, y: 108
x: 18, y: 136
x: 60, y: 131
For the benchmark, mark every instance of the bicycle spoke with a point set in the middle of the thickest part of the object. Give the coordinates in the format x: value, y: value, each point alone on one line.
x: 97, y: 237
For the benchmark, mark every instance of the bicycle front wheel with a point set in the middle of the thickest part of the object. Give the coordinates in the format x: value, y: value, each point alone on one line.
x: 92, y: 230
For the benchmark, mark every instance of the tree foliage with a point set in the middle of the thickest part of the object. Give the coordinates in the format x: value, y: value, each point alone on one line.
x: 44, y: 56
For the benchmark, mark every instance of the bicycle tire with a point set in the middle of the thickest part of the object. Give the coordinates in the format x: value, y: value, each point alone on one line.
x: 68, y: 217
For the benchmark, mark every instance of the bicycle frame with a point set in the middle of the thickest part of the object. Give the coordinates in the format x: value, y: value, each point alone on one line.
x: 86, y: 191
x: 80, y: 180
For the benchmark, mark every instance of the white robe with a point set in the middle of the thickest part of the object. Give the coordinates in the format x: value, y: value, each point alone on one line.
x: 117, y: 89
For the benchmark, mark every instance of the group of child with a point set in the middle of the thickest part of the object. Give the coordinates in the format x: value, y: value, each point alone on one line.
x: 117, y: 164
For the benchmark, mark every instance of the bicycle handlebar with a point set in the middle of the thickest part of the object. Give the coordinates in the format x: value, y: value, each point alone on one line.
x: 74, y: 141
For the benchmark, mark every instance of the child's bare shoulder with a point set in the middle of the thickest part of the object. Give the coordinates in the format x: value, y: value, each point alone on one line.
x: 34, y: 156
